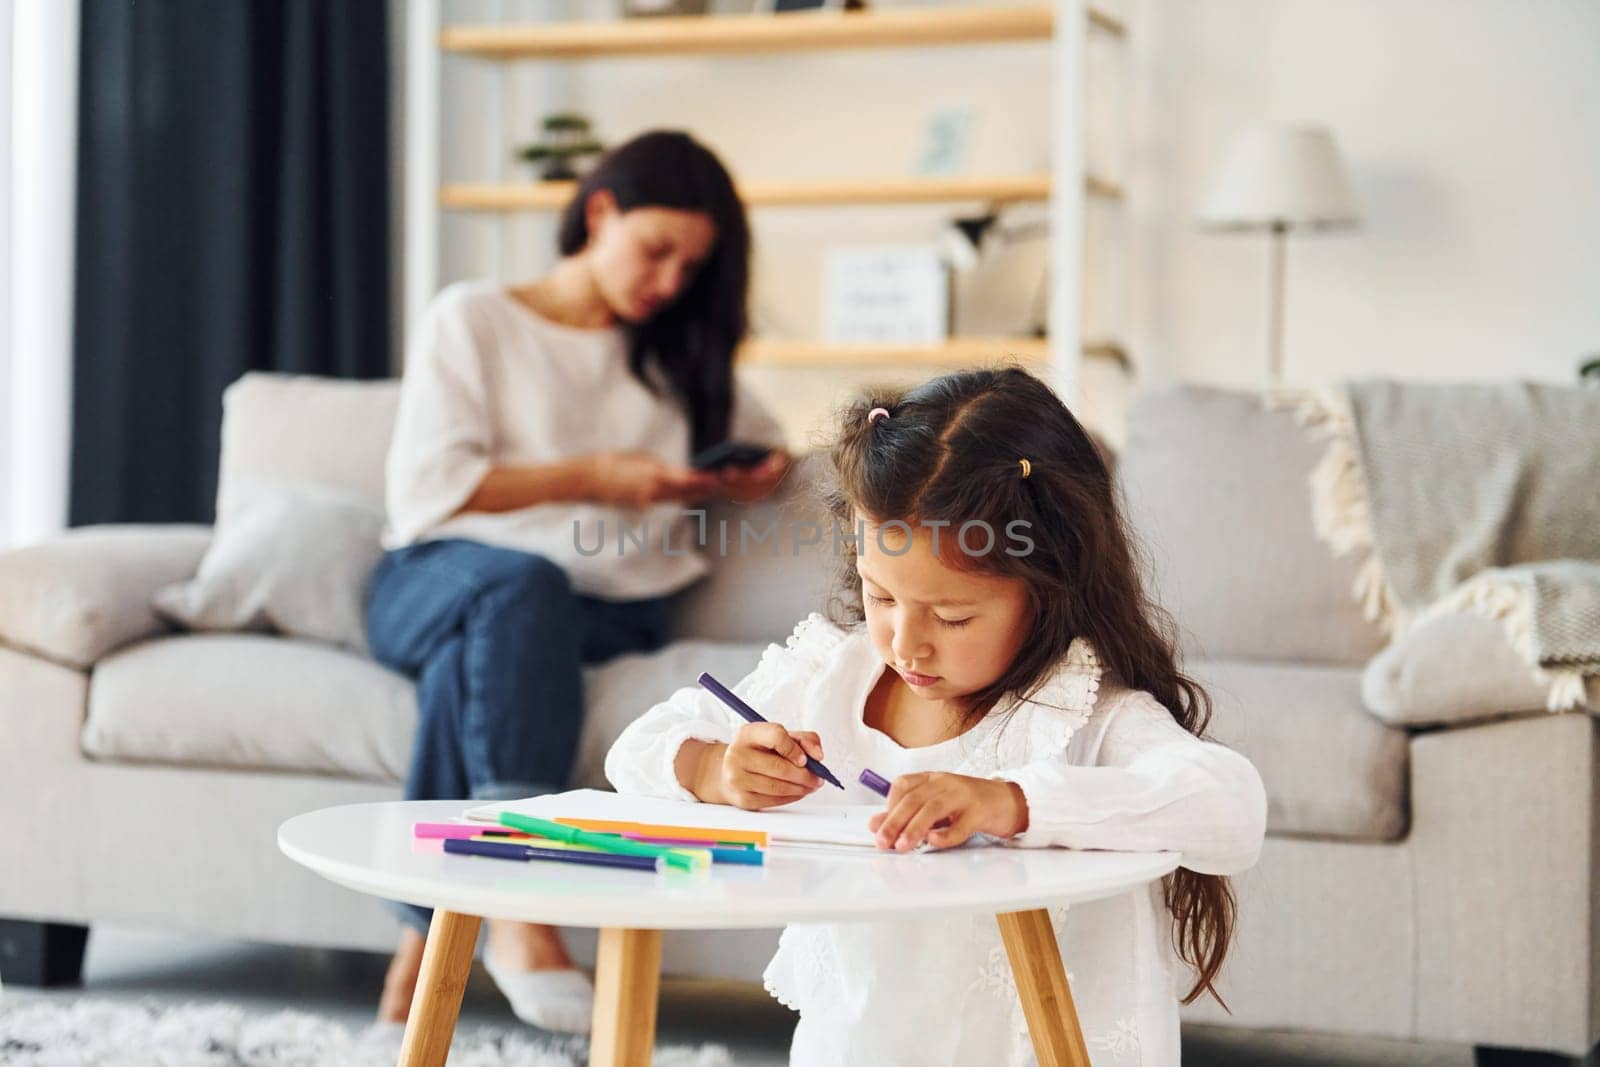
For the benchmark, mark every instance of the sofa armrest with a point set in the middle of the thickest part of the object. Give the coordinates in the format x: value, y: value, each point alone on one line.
x: 1503, y: 845
x: 79, y: 596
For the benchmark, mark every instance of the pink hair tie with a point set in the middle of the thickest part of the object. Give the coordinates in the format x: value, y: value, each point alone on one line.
x: 876, y: 413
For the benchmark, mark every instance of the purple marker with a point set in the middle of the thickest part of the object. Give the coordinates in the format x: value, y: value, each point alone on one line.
x: 875, y: 782
x: 880, y: 785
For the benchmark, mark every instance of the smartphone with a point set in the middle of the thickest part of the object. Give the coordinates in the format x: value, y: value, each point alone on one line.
x: 729, y: 454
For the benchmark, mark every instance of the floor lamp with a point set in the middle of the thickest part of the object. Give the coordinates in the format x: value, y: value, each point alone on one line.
x: 1279, y: 178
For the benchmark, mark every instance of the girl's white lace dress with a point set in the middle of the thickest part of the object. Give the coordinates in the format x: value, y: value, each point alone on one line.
x: 1101, y: 767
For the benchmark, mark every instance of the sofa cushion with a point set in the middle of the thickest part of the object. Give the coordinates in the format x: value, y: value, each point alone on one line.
x: 75, y: 598
x: 335, y: 434
x: 757, y: 589
x: 1218, y: 491
x: 251, y: 700
x: 274, y: 703
x: 293, y: 428
x: 1330, y: 768
x: 295, y: 559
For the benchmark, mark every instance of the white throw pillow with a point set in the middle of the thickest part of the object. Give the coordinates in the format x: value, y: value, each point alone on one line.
x: 1453, y: 668
x: 295, y: 558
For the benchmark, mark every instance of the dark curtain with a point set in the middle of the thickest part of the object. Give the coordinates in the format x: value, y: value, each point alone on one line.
x: 233, y: 215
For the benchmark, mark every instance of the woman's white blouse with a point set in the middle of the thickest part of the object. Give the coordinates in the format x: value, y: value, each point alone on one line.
x: 490, y: 383
x: 1101, y: 766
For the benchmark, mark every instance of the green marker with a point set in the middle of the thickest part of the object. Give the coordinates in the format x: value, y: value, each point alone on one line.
x: 681, y: 858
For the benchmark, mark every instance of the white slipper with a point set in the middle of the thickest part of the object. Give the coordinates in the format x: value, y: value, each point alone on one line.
x: 560, y: 1000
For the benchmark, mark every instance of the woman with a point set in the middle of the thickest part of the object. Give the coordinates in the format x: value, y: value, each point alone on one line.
x: 537, y: 422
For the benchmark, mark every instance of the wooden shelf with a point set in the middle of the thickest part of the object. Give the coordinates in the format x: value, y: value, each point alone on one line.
x: 756, y: 34
x: 955, y: 352
x: 733, y: 35
x: 553, y: 196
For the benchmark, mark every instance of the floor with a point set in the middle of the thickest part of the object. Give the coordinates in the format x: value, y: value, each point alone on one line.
x: 344, y: 985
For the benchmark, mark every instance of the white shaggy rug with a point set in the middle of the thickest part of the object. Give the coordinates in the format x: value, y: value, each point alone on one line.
x: 87, y: 1031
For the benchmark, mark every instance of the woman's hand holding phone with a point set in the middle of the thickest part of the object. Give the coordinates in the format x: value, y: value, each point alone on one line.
x: 746, y: 484
x: 639, y: 479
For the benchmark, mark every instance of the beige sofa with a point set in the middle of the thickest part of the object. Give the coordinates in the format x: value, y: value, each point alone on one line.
x: 1433, y: 884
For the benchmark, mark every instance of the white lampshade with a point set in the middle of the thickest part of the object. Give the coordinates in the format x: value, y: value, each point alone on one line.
x: 1282, y: 175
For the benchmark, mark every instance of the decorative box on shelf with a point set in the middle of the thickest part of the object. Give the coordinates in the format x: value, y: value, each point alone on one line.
x: 890, y: 294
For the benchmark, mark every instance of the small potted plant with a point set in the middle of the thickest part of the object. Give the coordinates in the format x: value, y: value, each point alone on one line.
x: 1589, y: 371
x: 566, y: 141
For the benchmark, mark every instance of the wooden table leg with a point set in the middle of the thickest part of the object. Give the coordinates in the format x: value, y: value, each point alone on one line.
x: 627, y: 979
x: 446, y: 962
x: 1042, y: 984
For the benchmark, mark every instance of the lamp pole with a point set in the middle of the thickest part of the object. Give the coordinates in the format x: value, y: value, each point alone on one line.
x: 1277, y: 177
x: 1279, y: 256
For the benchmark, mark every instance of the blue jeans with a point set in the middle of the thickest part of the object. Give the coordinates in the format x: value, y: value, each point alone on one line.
x: 496, y: 639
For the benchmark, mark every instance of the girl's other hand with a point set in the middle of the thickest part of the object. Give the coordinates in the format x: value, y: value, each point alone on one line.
x: 765, y: 766
x: 918, y: 803
x: 744, y: 485
x: 639, y: 479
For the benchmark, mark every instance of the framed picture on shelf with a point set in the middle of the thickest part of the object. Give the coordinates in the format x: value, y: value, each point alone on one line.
x: 945, y: 138
x: 889, y: 294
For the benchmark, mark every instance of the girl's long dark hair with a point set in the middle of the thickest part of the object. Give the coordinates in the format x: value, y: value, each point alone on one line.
x: 950, y: 452
x: 691, y: 342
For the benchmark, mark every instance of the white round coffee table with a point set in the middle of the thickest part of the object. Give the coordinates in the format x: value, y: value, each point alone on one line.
x: 369, y: 848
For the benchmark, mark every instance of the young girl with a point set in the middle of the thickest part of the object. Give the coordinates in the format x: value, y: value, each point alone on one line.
x: 1004, y: 669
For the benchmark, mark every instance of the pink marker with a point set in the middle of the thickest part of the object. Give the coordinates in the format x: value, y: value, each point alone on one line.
x: 462, y: 830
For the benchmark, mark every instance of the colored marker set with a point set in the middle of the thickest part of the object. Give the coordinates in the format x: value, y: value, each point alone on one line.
x: 631, y: 846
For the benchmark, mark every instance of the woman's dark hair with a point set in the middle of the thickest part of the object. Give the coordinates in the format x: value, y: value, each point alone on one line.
x: 691, y: 342
x: 951, y: 451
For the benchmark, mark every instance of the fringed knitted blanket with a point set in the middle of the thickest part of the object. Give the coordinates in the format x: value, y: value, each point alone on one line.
x: 1482, y: 498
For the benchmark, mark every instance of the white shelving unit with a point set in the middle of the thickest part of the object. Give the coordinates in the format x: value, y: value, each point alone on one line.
x: 1065, y: 24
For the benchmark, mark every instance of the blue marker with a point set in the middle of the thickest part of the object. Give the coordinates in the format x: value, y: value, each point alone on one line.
x: 510, y: 851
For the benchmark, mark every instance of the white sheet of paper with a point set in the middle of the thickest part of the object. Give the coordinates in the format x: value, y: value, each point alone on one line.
x: 795, y: 824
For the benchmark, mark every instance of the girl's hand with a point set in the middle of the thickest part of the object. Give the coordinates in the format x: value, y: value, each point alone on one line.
x: 744, y: 485
x: 919, y: 802
x: 765, y: 766
x: 639, y: 479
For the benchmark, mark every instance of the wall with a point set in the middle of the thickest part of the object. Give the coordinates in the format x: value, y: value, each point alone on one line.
x: 1472, y: 132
